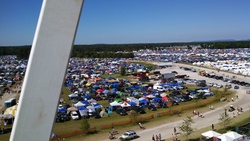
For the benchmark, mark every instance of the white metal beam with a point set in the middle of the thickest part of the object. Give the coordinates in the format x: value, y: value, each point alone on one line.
x: 52, y: 44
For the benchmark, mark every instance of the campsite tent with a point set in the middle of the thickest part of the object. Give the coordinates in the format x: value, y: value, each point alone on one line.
x: 234, y: 135
x: 115, y: 104
x: 97, y: 105
x: 132, y: 103
x: 62, y: 110
x: 92, y: 100
x: 83, y: 111
x: 79, y: 104
x: 125, y: 104
x: 72, y: 109
x: 164, y: 99
x: 85, y: 102
x: 134, y: 100
x: 11, y: 111
x: 210, y: 134
x: 150, y: 96
x: 163, y: 94
x: 103, y: 114
x: 224, y: 137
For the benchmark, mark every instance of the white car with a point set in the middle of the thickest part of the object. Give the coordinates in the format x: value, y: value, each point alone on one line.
x: 73, y: 95
x: 219, y: 86
x: 210, y: 84
x: 74, y: 115
x: 131, y: 134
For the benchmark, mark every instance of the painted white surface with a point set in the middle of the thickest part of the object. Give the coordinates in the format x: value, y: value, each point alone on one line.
x: 48, y: 60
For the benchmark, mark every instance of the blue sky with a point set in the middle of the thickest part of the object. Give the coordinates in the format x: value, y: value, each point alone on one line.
x: 135, y: 21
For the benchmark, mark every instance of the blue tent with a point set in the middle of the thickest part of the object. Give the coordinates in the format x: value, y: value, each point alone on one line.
x: 155, y: 93
x: 95, y: 86
x: 157, y: 99
x: 144, y: 101
x: 87, y: 96
x: 62, y: 110
x: 85, y: 102
x: 132, y: 103
x: 114, y: 85
x: 137, y: 86
x: 82, y: 108
x: 105, y: 91
x: 96, y: 105
x: 113, y: 90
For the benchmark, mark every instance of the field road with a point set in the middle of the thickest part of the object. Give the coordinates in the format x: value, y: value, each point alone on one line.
x: 211, y: 117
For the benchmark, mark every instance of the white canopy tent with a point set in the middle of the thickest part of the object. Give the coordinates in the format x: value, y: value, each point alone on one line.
x: 224, y: 137
x: 115, y: 104
x: 234, y: 135
x: 79, y: 104
x: 125, y: 105
x: 210, y: 134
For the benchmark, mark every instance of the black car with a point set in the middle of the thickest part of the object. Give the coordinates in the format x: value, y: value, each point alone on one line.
x: 236, y: 87
x: 121, y: 111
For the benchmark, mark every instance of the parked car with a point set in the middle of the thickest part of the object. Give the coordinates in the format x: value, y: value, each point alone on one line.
x: 131, y: 134
x: 210, y: 84
x: 73, y: 95
x: 219, y: 86
x: 74, y: 115
x: 236, y: 87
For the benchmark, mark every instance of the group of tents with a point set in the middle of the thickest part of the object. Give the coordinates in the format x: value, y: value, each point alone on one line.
x: 229, y: 136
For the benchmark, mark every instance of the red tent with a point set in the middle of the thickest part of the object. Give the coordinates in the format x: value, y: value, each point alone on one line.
x: 99, y: 90
x: 164, y: 99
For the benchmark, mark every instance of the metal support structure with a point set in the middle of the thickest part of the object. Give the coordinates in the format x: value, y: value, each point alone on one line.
x: 52, y: 44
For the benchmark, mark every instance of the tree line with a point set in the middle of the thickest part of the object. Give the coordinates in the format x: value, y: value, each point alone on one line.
x: 120, y: 50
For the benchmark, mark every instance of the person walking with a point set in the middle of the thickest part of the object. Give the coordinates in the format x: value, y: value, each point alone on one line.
x: 160, y: 137
x: 213, y: 127
x: 153, y: 137
x: 201, y: 115
x: 156, y: 138
x: 140, y: 125
x: 174, y: 130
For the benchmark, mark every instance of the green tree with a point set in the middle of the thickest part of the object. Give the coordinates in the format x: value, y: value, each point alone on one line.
x: 225, y: 120
x: 186, y: 126
x: 85, y: 125
x: 123, y: 71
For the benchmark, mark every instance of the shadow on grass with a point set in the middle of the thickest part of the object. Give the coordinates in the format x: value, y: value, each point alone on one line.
x: 5, y: 131
x: 92, y: 132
